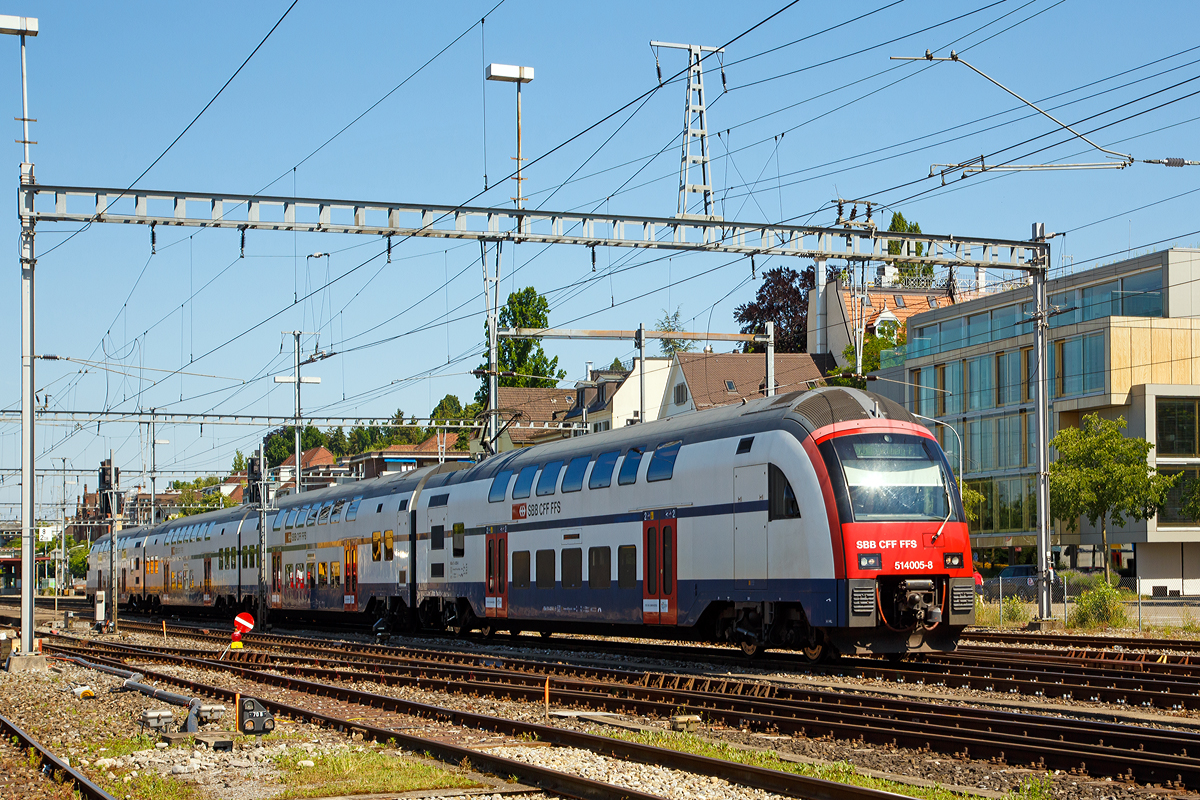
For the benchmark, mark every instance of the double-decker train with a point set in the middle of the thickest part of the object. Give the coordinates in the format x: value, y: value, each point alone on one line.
x: 825, y: 520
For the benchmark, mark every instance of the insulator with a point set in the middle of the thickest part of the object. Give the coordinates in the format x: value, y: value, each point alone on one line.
x: 853, y: 212
x: 658, y: 67
x: 1174, y: 162
x: 868, y: 212
x: 389, y: 248
x: 841, y: 208
x: 153, y: 238
x: 724, y: 85
x: 593, y: 259
x: 243, y: 255
x: 753, y: 269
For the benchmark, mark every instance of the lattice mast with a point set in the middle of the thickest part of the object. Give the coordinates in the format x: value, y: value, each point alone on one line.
x: 695, y: 131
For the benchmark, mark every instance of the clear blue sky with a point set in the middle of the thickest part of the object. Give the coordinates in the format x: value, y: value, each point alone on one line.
x: 111, y: 84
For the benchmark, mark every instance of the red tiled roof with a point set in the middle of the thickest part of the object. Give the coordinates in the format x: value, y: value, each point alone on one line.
x: 316, y: 456
x: 913, y: 304
x: 706, y: 375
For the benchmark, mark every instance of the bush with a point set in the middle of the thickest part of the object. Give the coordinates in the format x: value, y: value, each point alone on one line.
x: 1015, y: 610
x: 1100, y: 606
x: 986, y: 615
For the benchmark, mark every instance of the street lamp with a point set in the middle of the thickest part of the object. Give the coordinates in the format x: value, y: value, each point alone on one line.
x: 517, y: 75
x: 26, y: 26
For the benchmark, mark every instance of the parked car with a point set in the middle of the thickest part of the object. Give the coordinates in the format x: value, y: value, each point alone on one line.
x: 1020, y: 580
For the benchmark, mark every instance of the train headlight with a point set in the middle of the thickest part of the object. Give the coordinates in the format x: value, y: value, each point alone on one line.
x: 870, y: 560
x: 953, y: 560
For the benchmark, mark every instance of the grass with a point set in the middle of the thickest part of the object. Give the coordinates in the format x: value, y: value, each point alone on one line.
x: 153, y: 786
x: 360, y: 772
x: 118, y: 746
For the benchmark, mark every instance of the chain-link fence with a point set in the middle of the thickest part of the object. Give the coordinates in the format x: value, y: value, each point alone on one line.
x: 1085, y: 600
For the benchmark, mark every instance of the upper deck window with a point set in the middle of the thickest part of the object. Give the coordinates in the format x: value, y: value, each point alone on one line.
x: 549, y: 479
x: 629, y: 467
x: 601, y: 476
x: 662, y: 463
x: 524, y: 482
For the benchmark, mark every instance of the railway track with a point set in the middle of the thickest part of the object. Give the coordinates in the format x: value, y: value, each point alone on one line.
x: 50, y: 763
x: 754, y: 777
x: 1132, y: 648
x: 1147, y: 755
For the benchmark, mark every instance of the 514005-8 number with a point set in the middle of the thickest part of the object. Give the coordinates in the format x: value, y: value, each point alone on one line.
x: 901, y: 565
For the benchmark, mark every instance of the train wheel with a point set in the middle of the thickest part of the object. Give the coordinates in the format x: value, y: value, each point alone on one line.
x: 487, y: 630
x: 545, y: 634
x: 751, y: 647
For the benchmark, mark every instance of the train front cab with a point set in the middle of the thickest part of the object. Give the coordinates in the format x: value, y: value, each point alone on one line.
x: 906, y: 582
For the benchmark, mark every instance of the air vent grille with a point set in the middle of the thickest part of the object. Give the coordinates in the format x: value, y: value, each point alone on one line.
x: 862, y: 599
x: 962, y: 599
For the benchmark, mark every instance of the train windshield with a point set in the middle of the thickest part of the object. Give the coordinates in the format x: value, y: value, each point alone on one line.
x: 894, y: 477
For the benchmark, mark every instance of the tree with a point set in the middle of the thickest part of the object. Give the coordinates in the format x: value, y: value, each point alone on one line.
x: 336, y: 441
x: 782, y: 298
x: 279, y: 446
x: 616, y: 366
x: 1102, y: 474
x: 525, y: 357
x: 886, y: 337
x: 239, y: 462
x: 908, y: 269
x: 193, y: 500
x: 670, y: 324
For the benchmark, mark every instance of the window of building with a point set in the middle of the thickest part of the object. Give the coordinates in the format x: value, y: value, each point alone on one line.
x: 981, y: 383
x: 437, y: 537
x: 1172, y: 511
x: 1028, y: 374
x: 599, y: 567
x: 926, y: 341
x: 602, y: 471
x: 1098, y: 301
x: 1141, y: 294
x: 1008, y: 386
x: 629, y: 467
x: 866, y: 301
x: 731, y: 387
x: 662, y: 462
x: 1067, y: 310
x: 499, y: 489
x: 389, y: 544
x: 978, y: 328
x: 573, y: 479
x: 549, y: 479
x: 376, y: 546
x: 606, y: 425
x: 1004, y: 322
x: 681, y: 394
x: 545, y: 569
x: 926, y: 395
x: 898, y: 299
x: 627, y: 566
x: 950, y: 381
x: 1068, y: 361
x: 524, y: 482
x: 1176, y: 427
x: 572, y: 567
x: 520, y: 569
x: 933, y: 301
x: 950, y: 334
x: 1093, y: 363
x: 781, y: 499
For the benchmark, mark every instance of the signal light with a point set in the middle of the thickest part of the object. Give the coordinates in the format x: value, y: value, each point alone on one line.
x: 870, y: 560
x: 953, y: 560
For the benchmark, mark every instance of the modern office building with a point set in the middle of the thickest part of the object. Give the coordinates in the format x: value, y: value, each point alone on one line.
x: 1124, y: 341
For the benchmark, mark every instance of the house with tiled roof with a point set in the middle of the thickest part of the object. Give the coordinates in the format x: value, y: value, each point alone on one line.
x: 318, y: 468
x: 398, y: 458
x: 529, y: 415
x: 833, y: 309
x: 698, y: 381
x: 612, y: 398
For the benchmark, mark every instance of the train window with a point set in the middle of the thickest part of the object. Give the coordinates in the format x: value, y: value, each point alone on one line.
x: 402, y: 578
x: 313, y: 513
x: 572, y: 567
x: 290, y: 580
x: 668, y: 559
x: 573, y: 480
x: 545, y: 569
x: 335, y: 516
x: 435, y: 501
x: 208, y: 531
x: 499, y: 489
x: 437, y: 537
x: 781, y: 499
x: 352, y: 509
x: 524, y: 482
x: 437, y: 570
x: 459, y: 540
x: 322, y: 574
x: 335, y: 573
x: 549, y: 479
x: 404, y: 504
x: 520, y: 569
x: 221, y: 559
x: 379, y: 509
x: 627, y: 566
x: 291, y: 517
x: 376, y: 548
x: 245, y: 557
x: 323, y: 518
x: 601, y: 476
x: 599, y: 567
x: 629, y: 467
x: 662, y: 463
x: 388, y: 544
x: 650, y: 579
x: 744, y: 445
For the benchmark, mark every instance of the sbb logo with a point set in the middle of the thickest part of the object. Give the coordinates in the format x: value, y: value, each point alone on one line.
x: 518, y: 511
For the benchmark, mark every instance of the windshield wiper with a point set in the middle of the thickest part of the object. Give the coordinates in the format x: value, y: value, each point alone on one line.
x: 949, y: 513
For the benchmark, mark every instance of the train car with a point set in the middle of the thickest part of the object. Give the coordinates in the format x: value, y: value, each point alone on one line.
x: 827, y: 520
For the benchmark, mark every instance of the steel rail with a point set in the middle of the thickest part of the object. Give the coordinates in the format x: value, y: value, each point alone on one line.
x: 1149, y: 755
x: 755, y: 777
x: 1080, y: 640
x: 47, y: 760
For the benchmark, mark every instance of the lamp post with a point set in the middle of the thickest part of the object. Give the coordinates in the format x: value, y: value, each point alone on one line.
x: 26, y: 26
x: 517, y: 75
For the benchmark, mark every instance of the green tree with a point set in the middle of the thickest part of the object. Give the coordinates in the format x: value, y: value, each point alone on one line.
x: 616, y: 366
x: 77, y: 562
x: 670, y: 323
x: 450, y: 408
x: 1102, y: 474
x: 279, y: 446
x: 971, y: 500
x: 193, y: 500
x: 908, y: 269
x: 336, y: 441
x: 239, y: 462
x: 525, y: 357
x: 886, y: 337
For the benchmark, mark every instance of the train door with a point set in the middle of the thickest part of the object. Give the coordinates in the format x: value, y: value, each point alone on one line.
x: 207, y: 580
x: 750, y: 523
x: 659, y: 568
x: 311, y: 583
x: 277, y: 579
x: 495, y: 600
x: 166, y: 578
x: 350, y: 570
